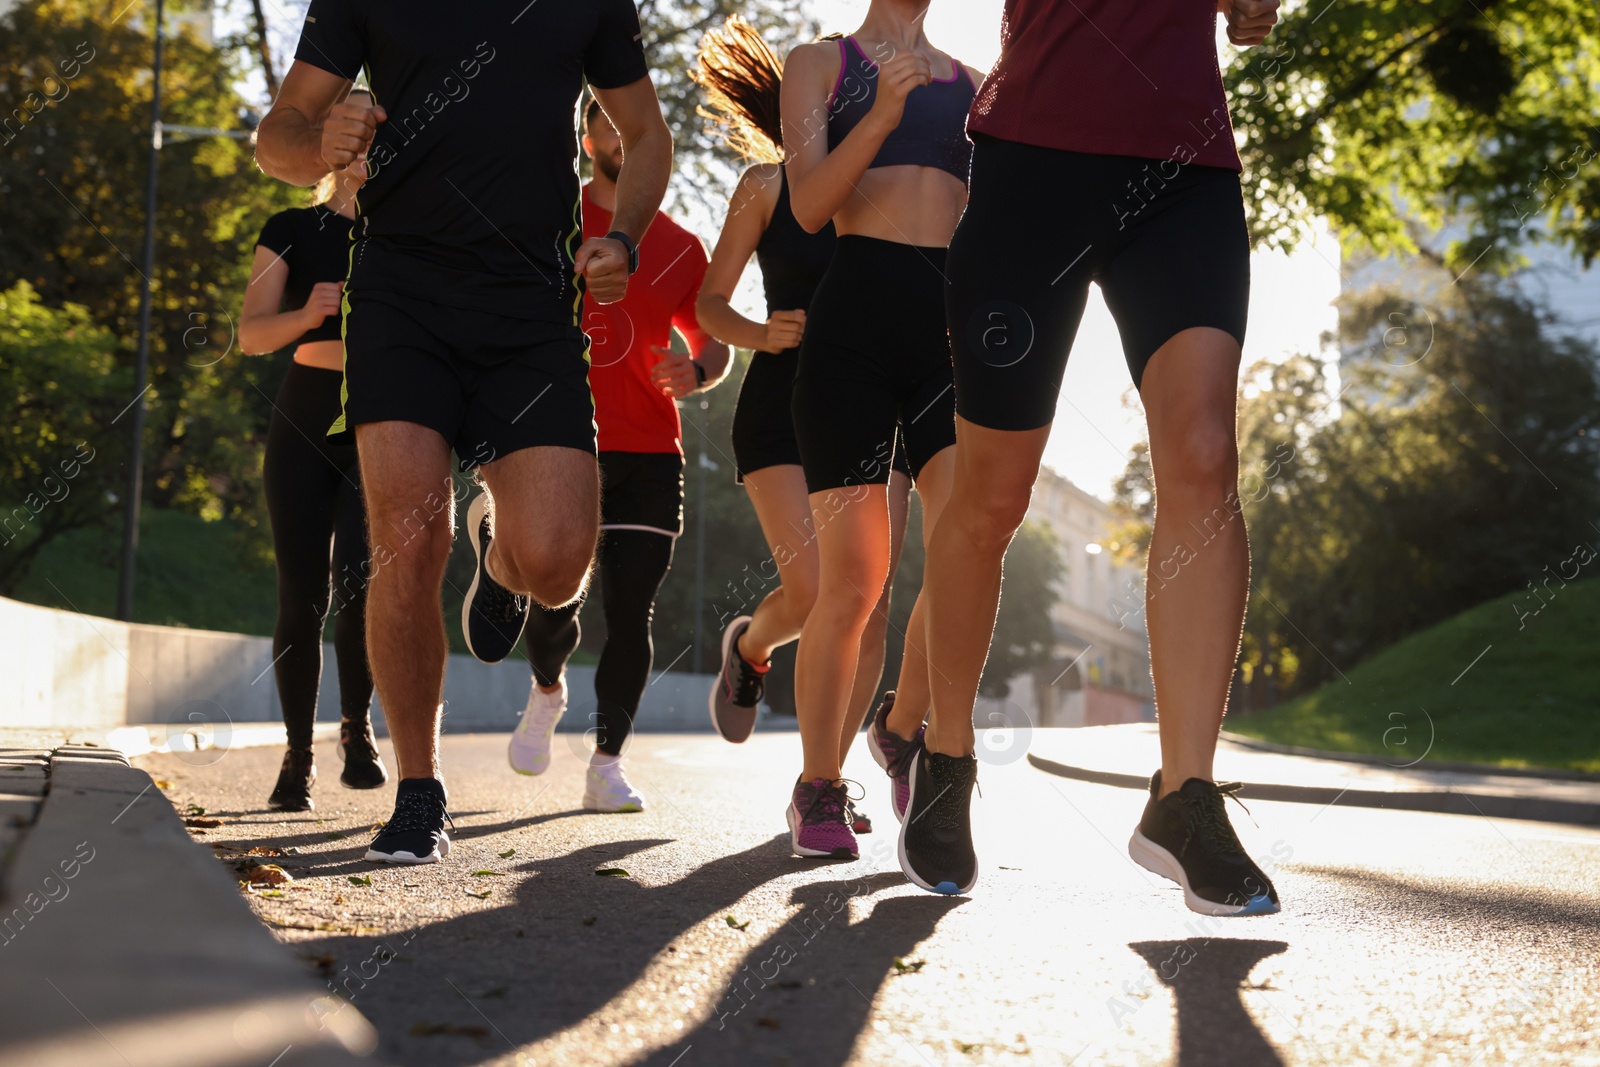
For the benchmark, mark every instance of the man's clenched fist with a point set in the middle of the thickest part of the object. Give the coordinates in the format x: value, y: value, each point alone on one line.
x: 347, y: 133
x: 603, y: 262
x: 1249, y: 21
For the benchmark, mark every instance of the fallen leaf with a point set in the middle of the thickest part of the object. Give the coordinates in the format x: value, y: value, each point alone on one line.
x: 908, y: 966
x: 270, y: 893
x: 268, y: 874
x: 508, y: 853
x: 263, y: 850
x: 378, y: 826
x: 194, y: 809
x: 612, y: 872
x: 448, y: 1030
x: 197, y: 830
x: 210, y: 824
x: 335, y: 836
x: 967, y: 1048
x: 486, y: 873
x: 735, y: 923
x: 365, y: 879
x: 767, y: 1022
x: 588, y: 920
x: 339, y: 899
x: 481, y: 896
x: 161, y: 783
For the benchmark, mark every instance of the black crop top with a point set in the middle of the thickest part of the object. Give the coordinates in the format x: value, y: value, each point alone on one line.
x: 792, y: 261
x: 933, y: 128
x: 315, y: 243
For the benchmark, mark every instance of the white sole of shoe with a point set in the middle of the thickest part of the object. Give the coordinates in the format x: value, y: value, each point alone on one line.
x: 949, y: 889
x: 590, y: 804
x: 475, y: 511
x: 408, y: 859
x: 1157, y: 860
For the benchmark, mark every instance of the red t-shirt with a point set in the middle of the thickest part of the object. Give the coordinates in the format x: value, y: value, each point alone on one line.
x: 632, y: 413
x: 1110, y: 77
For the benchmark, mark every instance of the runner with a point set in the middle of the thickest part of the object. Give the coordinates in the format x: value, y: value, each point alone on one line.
x: 891, y: 174
x: 636, y: 380
x: 1135, y: 187
x: 461, y: 314
x: 313, y: 487
x: 741, y: 77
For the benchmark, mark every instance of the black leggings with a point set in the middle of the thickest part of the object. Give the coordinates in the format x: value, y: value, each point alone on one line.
x: 631, y: 567
x: 314, y: 501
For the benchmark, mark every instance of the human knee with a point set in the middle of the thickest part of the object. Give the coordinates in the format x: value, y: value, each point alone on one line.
x: 408, y: 548
x: 553, y: 573
x: 987, y: 515
x: 1203, y: 461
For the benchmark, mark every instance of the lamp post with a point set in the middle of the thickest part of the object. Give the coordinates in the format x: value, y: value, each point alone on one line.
x: 135, y: 490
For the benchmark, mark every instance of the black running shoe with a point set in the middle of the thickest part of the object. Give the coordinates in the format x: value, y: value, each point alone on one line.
x: 936, y: 836
x: 738, y: 688
x: 415, y: 832
x: 1186, y: 836
x: 492, y: 616
x: 295, y: 777
x: 363, y: 766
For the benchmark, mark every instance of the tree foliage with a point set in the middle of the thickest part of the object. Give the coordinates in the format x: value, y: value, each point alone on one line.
x: 1372, y: 113
x: 1460, y: 460
x: 1024, y: 634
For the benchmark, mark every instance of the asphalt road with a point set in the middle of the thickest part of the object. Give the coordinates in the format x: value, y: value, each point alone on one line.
x: 1406, y: 938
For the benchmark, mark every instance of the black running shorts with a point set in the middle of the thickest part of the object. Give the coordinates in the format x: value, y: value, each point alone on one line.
x: 1166, y: 243
x: 489, y: 384
x: 875, y: 359
x: 642, y: 491
x: 763, y: 426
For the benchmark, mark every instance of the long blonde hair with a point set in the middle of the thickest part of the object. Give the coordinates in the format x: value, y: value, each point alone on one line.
x: 741, y: 77
x: 328, y: 184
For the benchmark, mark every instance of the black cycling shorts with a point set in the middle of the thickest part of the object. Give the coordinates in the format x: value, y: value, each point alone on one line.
x: 1165, y: 241
x: 763, y: 426
x: 489, y: 384
x: 875, y: 359
x: 642, y: 491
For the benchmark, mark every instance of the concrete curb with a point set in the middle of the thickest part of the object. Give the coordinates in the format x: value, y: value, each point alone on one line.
x: 159, y: 737
x: 1446, y: 802
x: 1550, y: 774
x: 123, y: 941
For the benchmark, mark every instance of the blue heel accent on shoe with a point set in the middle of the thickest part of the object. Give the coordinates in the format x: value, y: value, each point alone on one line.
x: 949, y: 889
x: 1262, y: 905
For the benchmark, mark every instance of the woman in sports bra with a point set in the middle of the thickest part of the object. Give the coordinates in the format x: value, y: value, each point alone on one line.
x: 740, y: 76
x: 875, y: 142
x: 313, y: 487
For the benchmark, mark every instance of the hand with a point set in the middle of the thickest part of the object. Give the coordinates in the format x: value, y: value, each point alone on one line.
x: 327, y: 298
x: 674, y: 375
x: 603, y: 262
x: 1249, y: 21
x: 347, y: 133
x: 896, y: 79
x: 784, y: 330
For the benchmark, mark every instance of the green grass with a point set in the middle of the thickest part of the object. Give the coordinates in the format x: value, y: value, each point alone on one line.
x: 1532, y: 700
x: 192, y: 575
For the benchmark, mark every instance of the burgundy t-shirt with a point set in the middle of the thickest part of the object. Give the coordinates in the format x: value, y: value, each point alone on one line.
x: 1110, y: 77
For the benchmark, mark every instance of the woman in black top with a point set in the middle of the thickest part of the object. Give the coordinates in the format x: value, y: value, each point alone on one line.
x: 741, y: 76
x: 313, y: 487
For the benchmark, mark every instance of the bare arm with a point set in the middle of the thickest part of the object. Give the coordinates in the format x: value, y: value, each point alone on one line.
x: 821, y: 182
x: 749, y: 213
x: 1249, y: 21
x: 646, y: 164
x: 312, y: 129
x: 262, y: 327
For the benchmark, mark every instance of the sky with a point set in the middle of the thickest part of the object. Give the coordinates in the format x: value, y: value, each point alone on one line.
x: 1098, y: 417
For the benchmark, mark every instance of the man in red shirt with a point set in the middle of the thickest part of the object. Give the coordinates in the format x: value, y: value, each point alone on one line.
x: 1109, y: 121
x: 636, y: 380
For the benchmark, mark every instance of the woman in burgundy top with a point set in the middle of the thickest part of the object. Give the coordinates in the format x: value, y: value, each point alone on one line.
x: 1108, y: 122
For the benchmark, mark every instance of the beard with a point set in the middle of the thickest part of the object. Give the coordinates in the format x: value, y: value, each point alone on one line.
x: 610, y: 166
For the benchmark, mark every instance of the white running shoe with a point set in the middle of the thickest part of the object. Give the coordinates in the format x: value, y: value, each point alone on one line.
x: 606, y: 786
x: 529, y: 749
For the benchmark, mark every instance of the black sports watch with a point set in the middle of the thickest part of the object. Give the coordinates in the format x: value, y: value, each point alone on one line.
x: 633, y: 249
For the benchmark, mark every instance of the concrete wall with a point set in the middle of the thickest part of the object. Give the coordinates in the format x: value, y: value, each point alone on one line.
x: 65, y: 669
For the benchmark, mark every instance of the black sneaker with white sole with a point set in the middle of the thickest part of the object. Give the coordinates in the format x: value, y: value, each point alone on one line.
x: 1186, y: 836
x: 936, y: 837
x: 415, y: 832
x: 492, y: 616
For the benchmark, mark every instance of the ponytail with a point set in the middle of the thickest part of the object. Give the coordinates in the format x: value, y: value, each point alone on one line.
x: 741, y: 77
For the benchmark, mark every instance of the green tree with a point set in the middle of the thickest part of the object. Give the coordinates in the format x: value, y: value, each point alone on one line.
x: 59, y: 388
x: 1372, y: 114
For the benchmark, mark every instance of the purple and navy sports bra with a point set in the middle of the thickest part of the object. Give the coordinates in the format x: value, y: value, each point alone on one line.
x: 933, y: 129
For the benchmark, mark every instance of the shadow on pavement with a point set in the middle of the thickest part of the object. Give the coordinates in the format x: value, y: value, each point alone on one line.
x: 1207, y: 976
x: 1469, y: 908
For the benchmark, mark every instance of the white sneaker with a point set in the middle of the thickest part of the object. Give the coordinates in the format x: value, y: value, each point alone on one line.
x: 606, y: 786
x: 529, y: 749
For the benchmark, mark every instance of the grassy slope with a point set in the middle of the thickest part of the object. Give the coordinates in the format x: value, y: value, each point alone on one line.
x: 1532, y: 700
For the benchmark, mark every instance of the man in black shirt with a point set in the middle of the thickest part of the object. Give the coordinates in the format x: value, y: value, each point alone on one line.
x: 468, y: 270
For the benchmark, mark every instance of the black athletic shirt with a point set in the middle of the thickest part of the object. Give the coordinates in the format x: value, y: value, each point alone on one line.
x: 473, y: 200
x: 792, y: 260
x: 315, y: 245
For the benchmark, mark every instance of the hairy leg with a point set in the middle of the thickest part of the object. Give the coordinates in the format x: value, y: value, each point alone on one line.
x: 546, y: 508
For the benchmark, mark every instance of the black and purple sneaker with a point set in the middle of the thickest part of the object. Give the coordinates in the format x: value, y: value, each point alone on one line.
x: 894, y: 754
x: 820, y: 820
